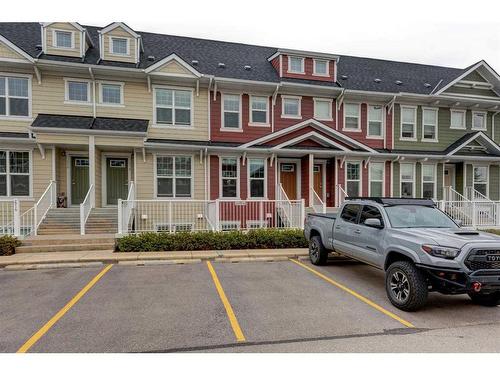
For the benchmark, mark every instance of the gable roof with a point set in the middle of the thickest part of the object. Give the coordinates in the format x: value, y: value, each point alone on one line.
x: 123, y: 25
x: 168, y: 60
x: 478, y: 136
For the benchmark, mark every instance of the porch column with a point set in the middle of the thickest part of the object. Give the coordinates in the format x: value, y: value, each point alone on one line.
x: 311, y: 179
x: 92, y: 168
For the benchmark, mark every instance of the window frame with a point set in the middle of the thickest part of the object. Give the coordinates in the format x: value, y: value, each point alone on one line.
x: 173, y: 177
x: 358, y: 129
x: 67, y: 100
x: 249, y: 179
x: 382, y: 122
x: 223, y: 113
x: 434, y: 179
x: 111, y: 45
x: 7, y: 96
x: 54, y: 39
x: 315, y: 73
x: 8, y: 174
x: 370, y: 179
x: 237, y: 178
x: 409, y: 139
x: 291, y: 97
x: 485, y: 128
x: 412, y: 181
x: 173, y: 125
x: 302, y: 71
x: 111, y: 83
x: 356, y: 221
x: 487, y: 182
x: 330, y: 110
x: 250, y: 109
x: 436, y: 125
x: 464, y: 113
x: 360, y: 180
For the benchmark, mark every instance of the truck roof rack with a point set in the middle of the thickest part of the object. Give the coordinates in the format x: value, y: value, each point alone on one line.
x: 396, y: 201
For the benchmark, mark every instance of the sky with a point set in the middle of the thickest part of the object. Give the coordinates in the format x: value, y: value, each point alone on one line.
x: 440, y: 32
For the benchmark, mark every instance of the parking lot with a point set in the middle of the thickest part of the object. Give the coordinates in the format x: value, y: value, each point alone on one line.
x: 230, y: 307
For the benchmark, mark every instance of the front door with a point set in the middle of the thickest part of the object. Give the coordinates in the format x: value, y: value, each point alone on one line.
x: 79, y: 179
x: 116, y: 180
x: 449, y: 175
x: 318, y: 180
x: 288, y: 179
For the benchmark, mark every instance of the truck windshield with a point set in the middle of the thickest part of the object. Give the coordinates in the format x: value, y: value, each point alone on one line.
x: 408, y: 216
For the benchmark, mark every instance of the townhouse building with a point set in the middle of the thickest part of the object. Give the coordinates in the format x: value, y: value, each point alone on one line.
x: 192, y: 134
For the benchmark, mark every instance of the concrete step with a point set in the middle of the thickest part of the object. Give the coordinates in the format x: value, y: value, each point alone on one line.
x: 68, y: 239
x: 58, y: 231
x: 64, y: 247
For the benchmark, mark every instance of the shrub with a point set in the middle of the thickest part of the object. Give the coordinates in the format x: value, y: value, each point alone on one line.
x: 192, y: 241
x: 8, y: 245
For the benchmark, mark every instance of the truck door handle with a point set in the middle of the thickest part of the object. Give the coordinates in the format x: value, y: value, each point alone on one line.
x: 357, y: 231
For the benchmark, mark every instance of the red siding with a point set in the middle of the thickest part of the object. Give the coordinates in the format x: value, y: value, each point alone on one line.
x: 214, y: 177
x: 388, y: 179
x: 276, y: 64
x: 330, y: 182
x: 271, y: 180
x: 360, y: 135
x: 388, y: 129
x: 304, y: 182
x: 308, y: 70
x: 243, y: 179
x: 364, y: 180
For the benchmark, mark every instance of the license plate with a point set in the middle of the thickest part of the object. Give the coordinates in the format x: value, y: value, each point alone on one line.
x: 493, y: 258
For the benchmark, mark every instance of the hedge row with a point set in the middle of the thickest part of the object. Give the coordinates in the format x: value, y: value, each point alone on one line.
x: 253, y: 239
x: 8, y: 245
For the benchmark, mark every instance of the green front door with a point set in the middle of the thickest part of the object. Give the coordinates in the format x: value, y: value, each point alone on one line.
x: 116, y: 180
x: 79, y: 179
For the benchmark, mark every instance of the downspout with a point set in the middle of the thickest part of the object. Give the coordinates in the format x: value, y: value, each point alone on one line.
x: 93, y: 91
x: 273, y: 102
x: 493, y: 125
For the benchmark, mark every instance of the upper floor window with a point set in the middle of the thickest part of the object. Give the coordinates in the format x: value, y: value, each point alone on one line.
x: 295, y: 64
x: 375, y: 115
x: 173, y: 107
x: 120, y: 46
x: 231, y: 110
x: 457, y: 119
x: 291, y: 107
x: 259, y: 110
x: 351, y: 117
x: 174, y: 176
x: 429, y: 124
x: 14, y: 96
x: 323, y: 109
x: 111, y: 93
x: 63, y: 39
x: 257, y: 177
x: 408, y: 123
x: 320, y: 68
x: 14, y: 173
x: 479, y: 120
x: 229, y: 177
x: 77, y: 91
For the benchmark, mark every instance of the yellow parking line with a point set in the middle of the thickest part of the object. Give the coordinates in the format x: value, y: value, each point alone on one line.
x: 357, y: 295
x: 229, y: 310
x: 42, y: 331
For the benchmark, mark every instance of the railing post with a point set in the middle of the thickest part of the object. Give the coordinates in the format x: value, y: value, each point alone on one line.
x: 53, y: 195
x: 82, y: 219
x: 169, y: 216
x: 120, y: 216
x: 17, y: 218
x: 302, y: 213
x: 217, y: 218
x: 474, y: 214
x: 35, y: 218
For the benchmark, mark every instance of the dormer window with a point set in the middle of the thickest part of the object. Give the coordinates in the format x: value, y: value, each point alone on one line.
x: 63, y: 39
x: 295, y: 65
x: 120, y: 46
x: 320, y: 68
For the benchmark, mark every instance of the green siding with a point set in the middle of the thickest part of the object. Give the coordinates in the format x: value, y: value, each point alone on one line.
x: 468, y: 175
x: 459, y: 177
x: 418, y: 180
x: 474, y: 76
x: 395, y: 186
x: 494, y: 182
x: 439, y: 181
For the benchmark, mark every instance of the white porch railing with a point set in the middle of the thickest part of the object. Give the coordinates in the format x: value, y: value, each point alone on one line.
x: 341, y: 194
x: 203, y: 215
x: 288, y: 211
x: 7, y: 215
x: 317, y: 204
x: 126, y: 209
x: 474, y: 195
x: 473, y: 214
x: 85, y: 208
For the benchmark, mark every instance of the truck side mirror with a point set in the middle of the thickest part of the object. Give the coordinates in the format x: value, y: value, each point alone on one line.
x: 374, y: 223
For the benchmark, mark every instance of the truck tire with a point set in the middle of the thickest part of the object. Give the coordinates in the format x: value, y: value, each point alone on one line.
x: 317, y: 252
x: 490, y: 300
x: 406, y: 286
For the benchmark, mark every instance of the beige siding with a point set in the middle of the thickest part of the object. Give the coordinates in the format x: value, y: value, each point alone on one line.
x: 62, y: 139
x: 119, y: 32
x: 8, y: 53
x: 51, y: 50
x: 122, y: 141
x: 174, y: 67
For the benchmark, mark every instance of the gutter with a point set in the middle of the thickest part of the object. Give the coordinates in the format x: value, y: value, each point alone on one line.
x: 116, y: 133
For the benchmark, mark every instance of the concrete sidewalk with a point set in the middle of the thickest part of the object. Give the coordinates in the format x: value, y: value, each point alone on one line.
x: 82, y: 258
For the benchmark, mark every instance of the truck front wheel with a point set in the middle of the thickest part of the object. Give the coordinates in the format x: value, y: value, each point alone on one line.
x: 491, y: 300
x: 406, y: 286
x: 317, y: 252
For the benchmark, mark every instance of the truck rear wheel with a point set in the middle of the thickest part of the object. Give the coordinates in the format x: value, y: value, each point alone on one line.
x: 491, y: 300
x: 406, y: 286
x: 317, y: 252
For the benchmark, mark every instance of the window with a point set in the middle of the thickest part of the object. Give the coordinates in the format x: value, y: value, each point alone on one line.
x: 376, y: 179
x: 229, y: 177
x: 322, y: 109
x: 407, y: 177
x: 117, y: 163
x: 173, y: 176
x: 479, y: 120
x: 351, y: 116
x: 370, y: 212
x: 257, y: 178
x: 175, y: 227
x: 259, y: 110
x: 63, y: 39
x: 173, y: 107
x: 231, y: 111
x: 353, y: 179
x: 429, y: 124
x: 296, y: 65
x: 14, y: 96
x: 321, y: 68
x: 428, y: 181
x: 480, y: 180
x: 290, y: 107
x: 119, y: 46
x: 408, y: 123
x: 350, y: 213
x: 14, y: 173
x: 77, y: 91
x: 111, y: 93
x: 457, y: 119
x: 375, y: 115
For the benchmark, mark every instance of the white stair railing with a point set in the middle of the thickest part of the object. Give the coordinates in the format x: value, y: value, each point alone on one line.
x: 85, y: 208
x: 317, y: 204
x: 284, y: 205
x: 126, y: 210
x: 474, y: 195
x: 341, y: 194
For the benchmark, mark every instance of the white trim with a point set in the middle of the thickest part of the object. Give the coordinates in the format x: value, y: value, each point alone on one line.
x: 155, y: 176
x: 173, y: 125
x: 414, y: 175
x: 122, y: 100
x: 104, y: 173
x: 8, y: 174
x: 288, y: 51
x: 290, y: 97
x: 327, y: 68
x: 66, y: 91
x: 54, y: 39
x: 314, y: 136
x: 485, y: 120
x: 477, y: 135
x: 169, y: 58
x: 436, y: 125
x: 370, y: 177
x: 238, y: 177
x: 360, y: 164
x: 223, y: 113
x: 16, y: 49
x: 111, y: 44
x: 434, y: 192
x: 415, y: 109
x: 382, y: 122
x: 298, y: 173
x: 249, y: 178
x: 10, y: 117
x: 250, y: 110
x: 114, y: 25
x: 330, y: 104
x: 464, y: 113
x: 487, y: 166
x: 358, y: 129
x: 302, y: 71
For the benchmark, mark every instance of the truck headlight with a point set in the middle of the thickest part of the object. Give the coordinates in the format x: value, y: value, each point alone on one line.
x: 441, y: 251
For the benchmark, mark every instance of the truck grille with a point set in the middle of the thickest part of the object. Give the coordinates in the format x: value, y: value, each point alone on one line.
x: 477, y: 260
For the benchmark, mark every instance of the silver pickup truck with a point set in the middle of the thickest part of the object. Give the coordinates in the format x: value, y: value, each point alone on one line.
x: 420, y: 248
